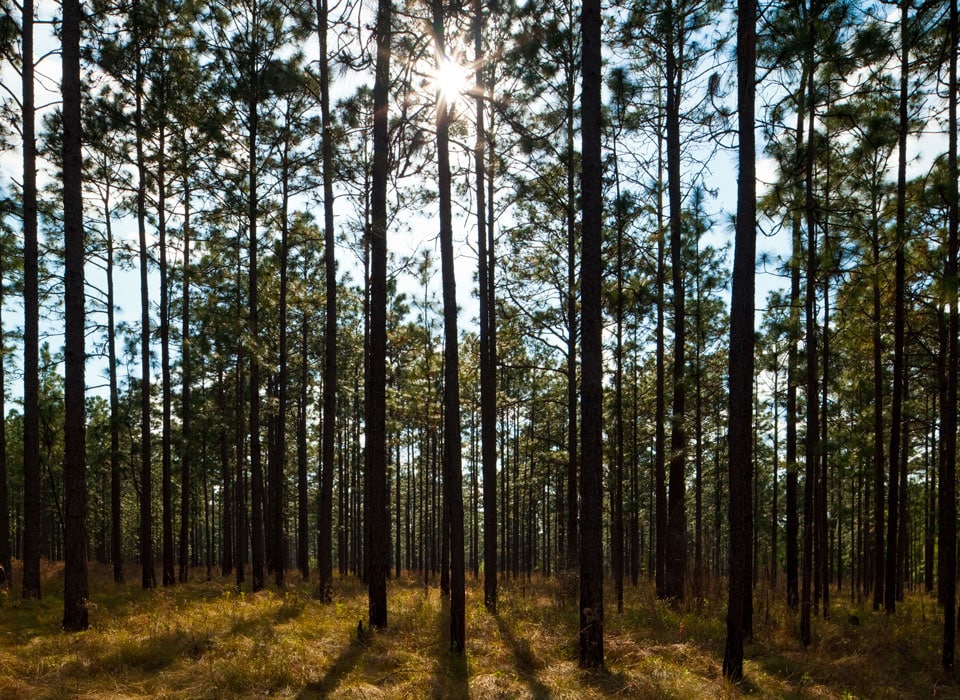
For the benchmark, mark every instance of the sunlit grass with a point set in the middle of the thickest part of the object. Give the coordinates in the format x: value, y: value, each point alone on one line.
x: 204, y: 640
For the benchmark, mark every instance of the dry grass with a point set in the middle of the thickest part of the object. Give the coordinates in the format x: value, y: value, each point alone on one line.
x: 203, y: 640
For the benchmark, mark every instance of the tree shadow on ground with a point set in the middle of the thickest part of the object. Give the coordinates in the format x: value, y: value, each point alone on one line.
x: 615, y: 684
x: 341, y: 668
x: 452, y: 675
x: 525, y: 660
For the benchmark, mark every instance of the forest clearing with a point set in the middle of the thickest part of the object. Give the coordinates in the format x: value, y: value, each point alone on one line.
x: 203, y: 640
x: 698, y: 388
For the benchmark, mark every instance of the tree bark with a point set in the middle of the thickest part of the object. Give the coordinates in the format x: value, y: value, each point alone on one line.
x: 660, y: 438
x: 279, y: 462
x: 330, y: 321
x: 375, y: 495
x: 812, y: 437
x: 488, y: 350
x: 147, y: 564
x: 257, y: 534
x: 75, y: 587
x: 573, y: 440
x: 948, y: 533
x: 186, y: 378
x: 452, y: 448
x: 32, y: 481
x: 6, y: 564
x: 591, y: 496
x: 896, y: 410
x: 166, y: 439
x: 676, y: 554
x: 740, y: 448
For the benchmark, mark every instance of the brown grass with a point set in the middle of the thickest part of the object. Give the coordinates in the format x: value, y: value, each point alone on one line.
x: 204, y: 640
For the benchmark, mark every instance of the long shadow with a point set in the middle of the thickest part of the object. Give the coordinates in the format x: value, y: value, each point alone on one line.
x: 452, y: 677
x: 345, y: 663
x: 525, y: 660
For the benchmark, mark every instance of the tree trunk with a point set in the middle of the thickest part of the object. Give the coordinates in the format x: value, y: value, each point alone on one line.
x: 228, y: 525
x: 896, y: 410
x: 573, y: 536
x: 6, y: 564
x: 793, y: 378
x: 75, y: 587
x: 616, y: 507
x: 375, y: 497
x: 32, y: 480
x: 258, y: 543
x: 812, y: 437
x: 166, y: 486
x: 488, y: 350
x: 740, y: 600
x: 878, y: 446
x: 116, y: 545
x: 676, y: 554
x: 187, y: 378
x: 591, y: 549
x: 330, y: 320
x: 278, y: 465
x: 148, y: 571
x: 303, y: 561
x: 948, y: 533
x: 452, y: 451
x: 660, y: 439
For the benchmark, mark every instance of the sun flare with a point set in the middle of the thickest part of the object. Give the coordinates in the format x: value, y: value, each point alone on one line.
x: 451, y: 79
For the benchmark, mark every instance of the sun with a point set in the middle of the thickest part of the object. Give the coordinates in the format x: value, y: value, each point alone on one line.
x: 450, y: 80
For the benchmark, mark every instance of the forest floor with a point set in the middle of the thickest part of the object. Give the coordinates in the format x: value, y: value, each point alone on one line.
x: 205, y: 640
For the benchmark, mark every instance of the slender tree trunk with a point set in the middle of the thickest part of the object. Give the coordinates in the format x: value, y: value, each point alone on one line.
x: 676, y: 555
x: 591, y: 549
x: 166, y: 485
x: 330, y: 321
x: 452, y: 467
x: 775, y: 505
x: 32, y: 480
x: 303, y: 503
x: 227, y: 500
x: 660, y: 439
x: 116, y: 544
x: 740, y: 601
x: 6, y: 568
x: 375, y: 496
x: 488, y: 366
x: 878, y: 431
x: 905, y: 551
x: 240, y: 485
x: 812, y: 437
x: 75, y: 587
x: 896, y: 410
x: 793, y: 378
x: 792, y: 530
x: 278, y: 472
x: 147, y: 564
x: 258, y: 544
x: 186, y: 379
x: 930, y: 502
x: 698, y: 437
x: 573, y: 536
x: 616, y: 507
x: 823, y: 559
x: 948, y: 533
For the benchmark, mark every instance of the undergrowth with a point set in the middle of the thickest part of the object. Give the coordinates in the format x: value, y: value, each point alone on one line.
x: 206, y: 640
